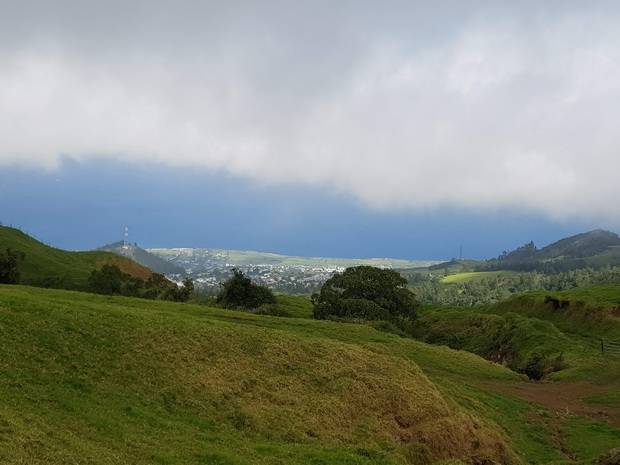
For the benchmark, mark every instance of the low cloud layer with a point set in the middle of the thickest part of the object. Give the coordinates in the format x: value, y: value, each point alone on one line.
x: 403, y: 105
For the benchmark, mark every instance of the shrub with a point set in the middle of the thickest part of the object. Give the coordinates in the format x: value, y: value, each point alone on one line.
x: 9, y: 266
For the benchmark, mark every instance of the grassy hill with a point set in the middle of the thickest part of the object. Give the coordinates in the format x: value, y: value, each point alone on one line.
x: 542, y: 334
x: 591, y: 249
x: 591, y: 311
x: 111, y: 380
x: 90, y: 379
x: 454, y: 266
x: 595, y: 249
x: 49, y: 267
x: 139, y: 255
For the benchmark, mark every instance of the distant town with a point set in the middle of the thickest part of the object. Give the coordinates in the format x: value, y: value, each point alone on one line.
x: 285, y: 274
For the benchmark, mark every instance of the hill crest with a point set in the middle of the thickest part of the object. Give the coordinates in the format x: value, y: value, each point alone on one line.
x: 143, y: 257
x: 46, y: 266
x: 594, y: 249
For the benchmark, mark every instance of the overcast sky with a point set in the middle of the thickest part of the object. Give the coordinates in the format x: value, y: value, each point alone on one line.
x: 407, y: 109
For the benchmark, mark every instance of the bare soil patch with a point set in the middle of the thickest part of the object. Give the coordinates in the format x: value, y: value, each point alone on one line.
x: 562, y: 399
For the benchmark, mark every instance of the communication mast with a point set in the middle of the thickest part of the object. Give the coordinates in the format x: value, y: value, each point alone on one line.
x: 126, y: 241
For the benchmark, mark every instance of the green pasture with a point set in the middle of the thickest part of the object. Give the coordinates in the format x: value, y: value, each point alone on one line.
x: 473, y: 276
x: 93, y: 379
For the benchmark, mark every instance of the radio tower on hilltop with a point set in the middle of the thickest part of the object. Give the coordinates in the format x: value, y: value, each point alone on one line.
x: 126, y: 241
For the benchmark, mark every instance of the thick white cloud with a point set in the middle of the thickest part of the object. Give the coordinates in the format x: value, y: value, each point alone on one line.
x: 401, y: 104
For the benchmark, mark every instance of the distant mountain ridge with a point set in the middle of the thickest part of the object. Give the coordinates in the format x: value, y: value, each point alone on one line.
x: 594, y: 249
x: 581, y: 245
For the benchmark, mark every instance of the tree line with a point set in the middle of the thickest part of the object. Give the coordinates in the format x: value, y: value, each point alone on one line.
x: 361, y: 293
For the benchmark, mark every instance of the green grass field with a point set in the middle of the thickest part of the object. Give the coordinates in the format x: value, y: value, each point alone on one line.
x: 473, y: 276
x: 93, y: 379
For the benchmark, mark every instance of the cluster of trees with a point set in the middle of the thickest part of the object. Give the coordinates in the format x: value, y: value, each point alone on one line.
x: 367, y: 293
x: 110, y: 280
x: 359, y: 293
x: 9, y: 266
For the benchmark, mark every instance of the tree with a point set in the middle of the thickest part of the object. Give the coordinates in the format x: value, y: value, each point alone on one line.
x: 9, y: 266
x: 186, y: 291
x: 366, y: 292
x: 240, y: 292
x: 158, y: 287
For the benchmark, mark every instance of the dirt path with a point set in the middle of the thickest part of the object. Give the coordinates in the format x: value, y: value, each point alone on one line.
x: 562, y: 399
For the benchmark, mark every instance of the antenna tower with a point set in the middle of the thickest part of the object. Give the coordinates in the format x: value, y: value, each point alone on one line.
x: 126, y: 242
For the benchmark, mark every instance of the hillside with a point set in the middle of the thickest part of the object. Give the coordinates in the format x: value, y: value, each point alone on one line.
x: 98, y: 380
x: 592, y: 312
x: 113, y: 380
x: 50, y: 267
x: 565, y: 335
x: 592, y: 249
x: 143, y: 257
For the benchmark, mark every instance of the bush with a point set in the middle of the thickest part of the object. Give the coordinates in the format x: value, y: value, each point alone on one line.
x: 538, y: 367
x: 9, y: 266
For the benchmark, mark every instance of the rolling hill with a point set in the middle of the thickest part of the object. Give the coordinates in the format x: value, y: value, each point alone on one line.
x: 98, y: 380
x: 591, y: 249
x: 115, y: 380
x: 143, y: 257
x: 46, y: 266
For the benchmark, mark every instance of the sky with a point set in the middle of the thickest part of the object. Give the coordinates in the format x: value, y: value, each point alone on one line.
x: 402, y: 129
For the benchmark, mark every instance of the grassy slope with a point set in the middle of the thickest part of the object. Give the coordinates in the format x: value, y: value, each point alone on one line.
x: 473, y: 276
x: 549, y: 323
x: 50, y: 267
x: 591, y: 312
x: 92, y: 379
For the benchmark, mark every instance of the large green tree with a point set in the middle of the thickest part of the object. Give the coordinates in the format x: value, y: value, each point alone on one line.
x: 366, y: 292
x: 240, y: 292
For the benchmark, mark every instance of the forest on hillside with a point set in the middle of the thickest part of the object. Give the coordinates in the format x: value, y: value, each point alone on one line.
x: 485, y: 288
